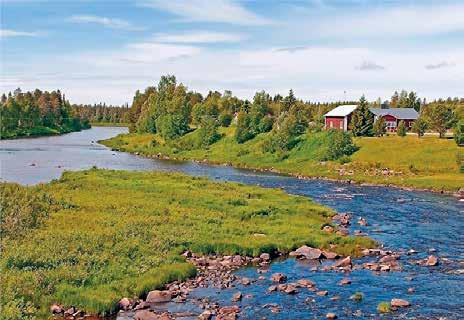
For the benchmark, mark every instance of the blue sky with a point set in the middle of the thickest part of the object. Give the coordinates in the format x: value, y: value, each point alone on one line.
x: 324, y: 49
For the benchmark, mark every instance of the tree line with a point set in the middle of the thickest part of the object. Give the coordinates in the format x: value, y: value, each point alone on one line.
x: 37, y: 113
x: 102, y: 113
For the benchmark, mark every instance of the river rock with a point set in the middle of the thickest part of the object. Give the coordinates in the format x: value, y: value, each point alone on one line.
x: 279, y: 277
x: 245, y: 281
x: 322, y: 293
x: 145, y: 315
x: 70, y: 311
x: 265, y: 256
x: 237, y: 297
x: 124, y: 304
x: 431, y: 261
x: 345, y: 262
x: 306, y: 283
x: 290, y: 289
x: 331, y: 316
x: 228, y: 313
x: 206, y: 315
x: 307, y: 253
x: 56, y: 309
x: 344, y: 282
x: 272, y: 289
x: 399, y: 303
x: 329, y: 255
x: 157, y: 296
x: 389, y: 258
x: 362, y: 222
x: 328, y: 229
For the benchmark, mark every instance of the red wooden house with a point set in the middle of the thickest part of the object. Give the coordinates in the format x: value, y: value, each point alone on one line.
x: 340, y: 117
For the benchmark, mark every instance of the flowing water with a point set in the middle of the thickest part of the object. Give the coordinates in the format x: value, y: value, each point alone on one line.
x: 398, y: 219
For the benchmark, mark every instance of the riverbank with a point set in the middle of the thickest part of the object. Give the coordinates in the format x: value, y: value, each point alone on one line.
x: 126, y: 239
x: 109, y: 124
x: 39, y: 131
x: 408, y: 162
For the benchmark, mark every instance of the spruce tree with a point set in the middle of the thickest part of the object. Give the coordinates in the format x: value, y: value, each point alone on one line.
x: 401, y: 130
x: 362, y: 119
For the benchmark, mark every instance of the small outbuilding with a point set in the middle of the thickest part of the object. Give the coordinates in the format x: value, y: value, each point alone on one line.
x: 340, y: 117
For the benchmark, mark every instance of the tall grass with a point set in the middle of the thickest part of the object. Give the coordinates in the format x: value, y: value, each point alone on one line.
x: 119, y: 233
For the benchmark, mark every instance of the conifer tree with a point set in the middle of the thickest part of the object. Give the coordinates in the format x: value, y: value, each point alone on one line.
x: 362, y: 119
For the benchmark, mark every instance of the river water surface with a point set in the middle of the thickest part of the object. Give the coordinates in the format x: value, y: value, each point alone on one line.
x: 398, y: 219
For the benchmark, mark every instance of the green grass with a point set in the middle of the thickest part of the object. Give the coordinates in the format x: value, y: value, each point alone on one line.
x: 384, y: 307
x: 426, y: 163
x: 111, y: 234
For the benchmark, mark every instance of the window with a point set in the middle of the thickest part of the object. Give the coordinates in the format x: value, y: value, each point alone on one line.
x: 331, y: 124
x: 390, y: 124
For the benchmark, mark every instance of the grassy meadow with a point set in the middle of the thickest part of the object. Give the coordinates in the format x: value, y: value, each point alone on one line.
x: 100, y: 235
x: 425, y: 163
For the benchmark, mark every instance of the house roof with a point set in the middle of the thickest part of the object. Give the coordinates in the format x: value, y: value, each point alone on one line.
x: 398, y: 113
x: 341, y: 111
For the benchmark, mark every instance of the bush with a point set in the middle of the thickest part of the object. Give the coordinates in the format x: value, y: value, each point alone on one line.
x: 208, y: 132
x: 339, y: 144
x: 419, y: 127
x: 384, y: 307
x: 171, y: 126
x: 285, y: 136
x: 401, y: 130
x: 225, y: 119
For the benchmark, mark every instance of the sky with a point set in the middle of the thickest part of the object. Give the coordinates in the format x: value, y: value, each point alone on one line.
x: 325, y: 50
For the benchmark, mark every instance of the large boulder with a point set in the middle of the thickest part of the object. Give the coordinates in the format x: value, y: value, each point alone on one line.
x: 124, y: 304
x: 345, y: 262
x: 279, y: 277
x: 399, y: 303
x: 265, y: 256
x: 306, y: 252
x: 145, y: 315
x: 56, y: 309
x: 157, y: 296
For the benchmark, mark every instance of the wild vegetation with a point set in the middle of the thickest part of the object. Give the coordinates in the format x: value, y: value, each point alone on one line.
x: 90, y: 249
x: 37, y: 113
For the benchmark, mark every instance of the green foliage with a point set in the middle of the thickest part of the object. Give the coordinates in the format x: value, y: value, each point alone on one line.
x: 172, y: 126
x: 358, y: 296
x: 284, y: 136
x: 362, y: 120
x: 37, y: 113
x: 384, y: 307
x: 208, y: 132
x: 22, y: 209
x: 379, y: 128
x: 401, y: 130
x: 338, y: 144
x: 243, y: 131
x: 126, y: 239
x: 419, y: 126
x: 102, y: 114
x: 440, y: 118
x: 225, y: 119
x: 459, y: 133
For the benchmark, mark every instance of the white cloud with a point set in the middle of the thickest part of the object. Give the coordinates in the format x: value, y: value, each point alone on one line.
x: 199, y: 37
x: 440, y: 65
x: 104, y: 21
x: 399, y: 21
x: 224, y: 11
x: 5, y: 33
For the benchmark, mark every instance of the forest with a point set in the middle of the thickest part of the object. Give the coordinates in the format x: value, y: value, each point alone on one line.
x: 102, y: 114
x: 36, y: 113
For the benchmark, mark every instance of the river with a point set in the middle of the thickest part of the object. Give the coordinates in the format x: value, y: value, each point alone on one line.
x: 398, y: 219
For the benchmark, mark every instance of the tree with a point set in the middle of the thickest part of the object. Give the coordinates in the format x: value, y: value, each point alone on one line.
x: 339, y: 144
x: 243, y: 131
x: 225, y: 119
x: 171, y: 126
x: 379, y: 128
x: 459, y: 133
x: 401, y: 130
x: 208, y: 132
x: 394, y: 100
x: 412, y: 101
x: 440, y: 118
x: 419, y: 126
x: 362, y: 120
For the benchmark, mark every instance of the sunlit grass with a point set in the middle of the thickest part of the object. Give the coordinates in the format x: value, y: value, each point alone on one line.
x: 119, y: 233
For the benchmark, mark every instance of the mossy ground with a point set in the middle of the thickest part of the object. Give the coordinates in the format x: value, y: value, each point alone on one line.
x: 426, y: 163
x: 118, y: 233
